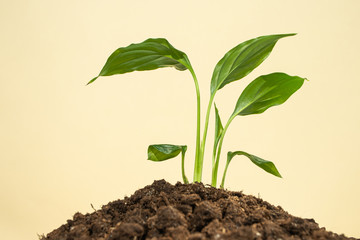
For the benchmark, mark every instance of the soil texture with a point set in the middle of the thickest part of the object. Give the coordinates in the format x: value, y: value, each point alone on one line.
x: 162, y: 211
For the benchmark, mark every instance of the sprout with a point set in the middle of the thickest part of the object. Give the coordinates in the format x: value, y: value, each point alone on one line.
x: 262, y: 93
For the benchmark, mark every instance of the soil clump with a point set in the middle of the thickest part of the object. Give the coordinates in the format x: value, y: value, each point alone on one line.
x: 162, y: 211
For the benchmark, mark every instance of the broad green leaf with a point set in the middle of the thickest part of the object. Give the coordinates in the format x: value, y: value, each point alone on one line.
x: 242, y: 59
x: 264, y: 164
x: 151, y: 54
x: 218, y: 131
x: 266, y: 91
x: 161, y: 152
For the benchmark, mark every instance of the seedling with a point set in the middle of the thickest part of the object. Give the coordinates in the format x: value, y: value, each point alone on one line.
x: 262, y: 93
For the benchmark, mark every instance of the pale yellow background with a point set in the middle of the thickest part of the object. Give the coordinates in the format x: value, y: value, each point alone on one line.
x: 64, y: 145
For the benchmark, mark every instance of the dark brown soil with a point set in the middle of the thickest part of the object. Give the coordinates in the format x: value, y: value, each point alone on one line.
x: 162, y: 211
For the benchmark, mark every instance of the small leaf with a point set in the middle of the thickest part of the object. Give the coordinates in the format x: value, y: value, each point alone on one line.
x: 218, y: 126
x: 242, y: 59
x: 218, y: 131
x: 161, y: 152
x: 264, y: 164
x: 148, y: 55
x: 266, y: 91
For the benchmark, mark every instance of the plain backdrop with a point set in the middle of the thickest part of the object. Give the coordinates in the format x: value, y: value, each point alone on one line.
x: 65, y: 145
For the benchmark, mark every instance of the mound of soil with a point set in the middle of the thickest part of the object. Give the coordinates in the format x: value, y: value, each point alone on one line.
x: 162, y: 211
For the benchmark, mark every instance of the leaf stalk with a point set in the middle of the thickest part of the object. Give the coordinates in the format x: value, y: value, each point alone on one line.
x: 216, y: 165
x: 224, y: 174
x: 185, y: 179
x: 198, y: 162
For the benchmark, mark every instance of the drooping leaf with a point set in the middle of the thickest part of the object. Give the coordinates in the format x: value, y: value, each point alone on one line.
x: 218, y: 131
x: 151, y: 54
x: 264, y: 164
x: 242, y: 59
x: 161, y: 152
x: 266, y: 91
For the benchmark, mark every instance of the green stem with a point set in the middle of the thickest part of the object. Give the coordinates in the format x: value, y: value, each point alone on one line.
x: 198, y: 166
x: 224, y: 175
x: 216, y: 166
x: 185, y: 179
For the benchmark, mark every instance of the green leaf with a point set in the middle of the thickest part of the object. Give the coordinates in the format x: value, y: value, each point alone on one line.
x: 161, y: 152
x: 218, y: 126
x: 266, y: 91
x: 242, y: 59
x: 264, y: 164
x: 218, y: 131
x: 151, y: 54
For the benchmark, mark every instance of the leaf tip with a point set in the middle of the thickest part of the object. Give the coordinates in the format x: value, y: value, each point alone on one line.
x: 92, y: 80
x: 289, y: 34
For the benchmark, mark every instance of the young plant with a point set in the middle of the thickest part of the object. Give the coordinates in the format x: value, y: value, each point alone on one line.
x: 262, y: 93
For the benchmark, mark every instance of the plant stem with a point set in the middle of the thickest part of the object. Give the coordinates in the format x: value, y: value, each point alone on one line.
x: 216, y: 166
x: 224, y: 175
x: 198, y: 166
x: 185, y: 179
